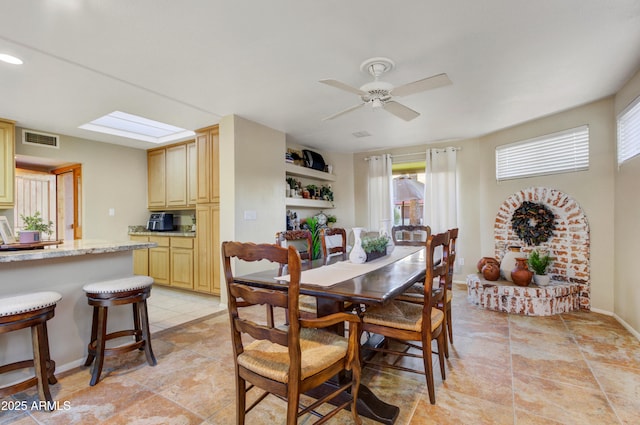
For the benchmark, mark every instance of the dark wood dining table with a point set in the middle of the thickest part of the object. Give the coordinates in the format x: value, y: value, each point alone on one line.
x: 373, y: 288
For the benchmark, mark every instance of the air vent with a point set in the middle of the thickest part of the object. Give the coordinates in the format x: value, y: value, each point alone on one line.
x: 30, y: 137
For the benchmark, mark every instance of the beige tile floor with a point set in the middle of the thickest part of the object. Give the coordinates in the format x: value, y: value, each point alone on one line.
x: 577, y: 368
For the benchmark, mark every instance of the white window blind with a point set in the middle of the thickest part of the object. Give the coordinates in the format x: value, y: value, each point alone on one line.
x: 629, y: 132
x: 560, y: 152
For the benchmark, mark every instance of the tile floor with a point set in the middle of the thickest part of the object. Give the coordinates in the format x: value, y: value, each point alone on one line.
x: 576, y: 368
x: 171, y: 307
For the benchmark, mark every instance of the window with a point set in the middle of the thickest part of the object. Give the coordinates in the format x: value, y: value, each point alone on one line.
x: 560, y: 152
x: 629, y: 132
x: 408, y: 189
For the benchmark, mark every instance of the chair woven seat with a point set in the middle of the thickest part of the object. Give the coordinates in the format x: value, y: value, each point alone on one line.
x: 119, y: 285
x: 23, y: 303
x: 320, y: 349
x: 402, y: 315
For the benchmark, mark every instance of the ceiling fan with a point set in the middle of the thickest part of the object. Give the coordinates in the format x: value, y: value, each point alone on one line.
x: 379, y: 93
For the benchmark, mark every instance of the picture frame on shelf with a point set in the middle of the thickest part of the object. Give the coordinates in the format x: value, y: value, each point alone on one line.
x: 5, y: 231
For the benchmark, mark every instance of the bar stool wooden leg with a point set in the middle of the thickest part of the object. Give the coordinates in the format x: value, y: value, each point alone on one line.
x: 40, y: 361
x: 146, y: 334
x: 100, y: 345
x: 94, y: 333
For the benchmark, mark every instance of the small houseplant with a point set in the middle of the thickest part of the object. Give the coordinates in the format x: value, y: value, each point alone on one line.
x: 375, y: 247
x: 34, y: 225
x: 539, y: 263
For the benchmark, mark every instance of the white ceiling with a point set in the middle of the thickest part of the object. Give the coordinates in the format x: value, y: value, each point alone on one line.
x: 188, y: 63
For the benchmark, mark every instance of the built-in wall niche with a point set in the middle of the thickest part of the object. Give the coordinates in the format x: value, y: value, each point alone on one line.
x: 570, y: 243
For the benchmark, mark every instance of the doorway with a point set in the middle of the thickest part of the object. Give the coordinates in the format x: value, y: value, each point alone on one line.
x: 55, y: 193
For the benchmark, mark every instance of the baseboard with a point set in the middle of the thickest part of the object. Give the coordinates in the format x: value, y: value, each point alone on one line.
x: 620, y: 320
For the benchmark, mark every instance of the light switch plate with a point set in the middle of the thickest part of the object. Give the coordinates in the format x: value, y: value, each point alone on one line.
x: 250, y: 215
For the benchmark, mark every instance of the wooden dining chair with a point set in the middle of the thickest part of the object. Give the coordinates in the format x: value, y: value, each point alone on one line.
x: 286, y: 360
x: 410, y: 235
x: 330, y: 245
x: 409, y: 323
x: 416, y: 291
x: 302, y: 240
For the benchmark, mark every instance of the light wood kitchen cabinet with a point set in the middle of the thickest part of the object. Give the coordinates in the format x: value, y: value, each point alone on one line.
x: 208, y: 249
x: 192, y: 173
x: 208, y: 145
x: 181, y: 266
x: 140, y: 257
x: 156, y: 178
x: 159, y: 260
x: 172, y: 176
x: 7, y: 164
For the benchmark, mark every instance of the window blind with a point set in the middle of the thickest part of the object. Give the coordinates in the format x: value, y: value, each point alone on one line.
x: 629, y: 132
x: 561, y: 152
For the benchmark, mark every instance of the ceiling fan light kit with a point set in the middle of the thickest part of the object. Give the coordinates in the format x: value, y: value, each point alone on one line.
x: 379, y: 93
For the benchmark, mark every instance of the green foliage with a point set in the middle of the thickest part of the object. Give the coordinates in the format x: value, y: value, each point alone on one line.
x: 375, y: 244
x: 331, y: 218
x: 35, y: 222
x: 539, y: 262
x: 312, y: 225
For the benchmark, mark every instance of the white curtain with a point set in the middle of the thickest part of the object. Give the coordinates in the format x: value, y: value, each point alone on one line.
x: 380, y: 201
x: 440, y: 202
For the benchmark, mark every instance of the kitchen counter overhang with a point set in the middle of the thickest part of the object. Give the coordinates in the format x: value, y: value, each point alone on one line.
x: 73, y: 248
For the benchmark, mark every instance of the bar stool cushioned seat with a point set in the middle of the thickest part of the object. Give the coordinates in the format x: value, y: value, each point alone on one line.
x: 30, y: 311
x: 102, y: 295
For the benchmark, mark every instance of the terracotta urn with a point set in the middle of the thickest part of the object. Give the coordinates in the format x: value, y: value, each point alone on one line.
x: 521, y: 275
x: 491, y: 271
x: 484, y: 260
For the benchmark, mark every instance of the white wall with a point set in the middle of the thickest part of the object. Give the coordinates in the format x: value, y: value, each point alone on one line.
x: 113, y: 176
x: 627, y: 225
x: 480, y: 195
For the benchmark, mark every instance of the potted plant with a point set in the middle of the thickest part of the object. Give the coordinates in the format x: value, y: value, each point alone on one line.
x: 375, y: 247
x: 331, y: 220
x: 34, y: 225
x: 539, y: 263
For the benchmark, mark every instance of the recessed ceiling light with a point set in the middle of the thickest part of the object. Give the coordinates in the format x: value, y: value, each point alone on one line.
x: 134, y: 127
x: 10, y: 59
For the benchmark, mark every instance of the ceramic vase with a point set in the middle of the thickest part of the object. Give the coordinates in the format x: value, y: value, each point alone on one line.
x: 357, y: 254
x: 491, y: 271
x: 521, y: 275
x: 508, y: 262
x: 484, y: 261
x: 542, y: 279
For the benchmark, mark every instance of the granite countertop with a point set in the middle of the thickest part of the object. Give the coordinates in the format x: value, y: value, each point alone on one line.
x: 73, y: 248
x: 171, y: 233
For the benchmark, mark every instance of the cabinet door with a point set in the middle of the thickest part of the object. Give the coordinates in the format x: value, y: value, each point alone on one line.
x: 207, y: 145
x: 203, y: 249
x: 182, y: 268
x: 7, y: 164
x: 192, y: 173
x: 176, y: 176
x: 159, y: 260
x: 140, y: 257
x: 156, y: 175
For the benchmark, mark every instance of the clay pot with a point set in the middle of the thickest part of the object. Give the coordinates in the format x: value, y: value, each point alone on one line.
x: 484, y: 260
x: 491, y: 271
x: 521, y: 275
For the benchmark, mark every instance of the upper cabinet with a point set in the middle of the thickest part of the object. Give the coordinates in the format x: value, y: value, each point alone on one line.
x: 171, y: 177
x: 208, y: 145
x: 7, y: 162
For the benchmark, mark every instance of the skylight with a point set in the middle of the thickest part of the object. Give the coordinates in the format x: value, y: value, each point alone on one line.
x: 134, y: 127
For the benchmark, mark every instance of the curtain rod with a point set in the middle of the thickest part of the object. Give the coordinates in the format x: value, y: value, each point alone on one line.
x: 416, y: 153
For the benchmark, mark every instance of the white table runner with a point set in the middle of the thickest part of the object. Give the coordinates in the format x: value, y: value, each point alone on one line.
x: 344, y: 270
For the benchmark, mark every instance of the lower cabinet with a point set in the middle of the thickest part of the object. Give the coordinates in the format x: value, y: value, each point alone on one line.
x: 170, y: 263
x: 208, y: 249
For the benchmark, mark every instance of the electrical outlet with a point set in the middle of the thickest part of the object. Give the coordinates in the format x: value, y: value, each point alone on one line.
x: 461, y: 261
x: 112, y: 212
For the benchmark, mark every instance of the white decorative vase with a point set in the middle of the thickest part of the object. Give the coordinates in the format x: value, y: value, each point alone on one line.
x: 385, y: 230
x: 357, y: 254
x: 542, y: 279
x: 508, y: 262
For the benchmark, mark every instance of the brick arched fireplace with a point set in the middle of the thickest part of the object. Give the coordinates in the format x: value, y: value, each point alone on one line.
x: 569, y: 245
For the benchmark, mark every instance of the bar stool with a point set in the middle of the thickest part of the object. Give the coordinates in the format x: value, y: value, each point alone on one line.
x: 102, y: 295
x: 30, y: 311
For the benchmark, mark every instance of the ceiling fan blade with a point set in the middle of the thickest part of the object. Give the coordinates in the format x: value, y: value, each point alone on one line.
x: 400, y: 111
x: 353, y: 108
x: 428, y: 83
x: 342, y: 86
